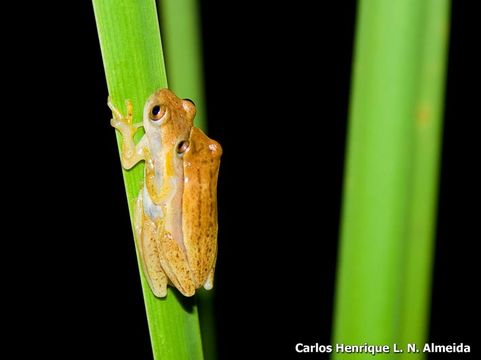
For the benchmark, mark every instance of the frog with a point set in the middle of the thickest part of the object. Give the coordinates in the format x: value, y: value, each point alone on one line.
x: 175, y: 215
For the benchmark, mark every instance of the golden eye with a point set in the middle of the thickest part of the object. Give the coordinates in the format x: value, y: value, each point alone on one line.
x: 182, y: 147
x: 157, y: 112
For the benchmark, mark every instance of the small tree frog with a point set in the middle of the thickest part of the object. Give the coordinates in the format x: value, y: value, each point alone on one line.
x: 176, y: 209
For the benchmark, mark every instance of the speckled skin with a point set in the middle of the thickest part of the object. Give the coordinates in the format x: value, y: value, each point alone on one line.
x: 176, y: 210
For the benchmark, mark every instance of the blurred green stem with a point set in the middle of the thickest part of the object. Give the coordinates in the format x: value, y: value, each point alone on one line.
x: 385, y: 186
x: 181, y: 32
x: 425, y: 172
x: 183, y: 51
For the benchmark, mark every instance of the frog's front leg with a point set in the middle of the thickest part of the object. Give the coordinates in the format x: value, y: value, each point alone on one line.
x: 131, y: 153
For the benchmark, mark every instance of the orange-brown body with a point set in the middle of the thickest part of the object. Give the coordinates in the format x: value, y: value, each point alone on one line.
x: 176, y: 210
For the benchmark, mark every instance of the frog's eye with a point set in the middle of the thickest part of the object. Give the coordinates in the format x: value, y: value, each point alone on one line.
x: 157, y: 112
x: 182, y: 147
x: 191, y: 101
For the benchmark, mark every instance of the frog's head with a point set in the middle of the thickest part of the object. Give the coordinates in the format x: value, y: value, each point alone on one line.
x: 167, y: 117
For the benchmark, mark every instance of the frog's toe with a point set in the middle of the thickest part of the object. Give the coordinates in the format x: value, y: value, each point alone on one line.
x: 209, y: 282
x: 159, y: 291
x: 114, y: 122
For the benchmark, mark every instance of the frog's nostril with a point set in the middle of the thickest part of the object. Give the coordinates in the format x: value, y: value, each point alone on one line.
x: 182, y: 147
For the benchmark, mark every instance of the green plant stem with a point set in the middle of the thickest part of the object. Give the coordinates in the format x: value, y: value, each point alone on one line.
x: 180, y: 25
x: 425, y: 171
x: 183, y: 51
x: 134, y: 67
x: 382, y: 179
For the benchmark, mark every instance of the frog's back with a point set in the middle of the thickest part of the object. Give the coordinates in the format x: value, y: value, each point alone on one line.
x: 199, y: 204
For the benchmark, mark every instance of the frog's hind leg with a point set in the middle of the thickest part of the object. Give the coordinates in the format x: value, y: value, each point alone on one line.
x: 146, y: 233
x: 175, y: 263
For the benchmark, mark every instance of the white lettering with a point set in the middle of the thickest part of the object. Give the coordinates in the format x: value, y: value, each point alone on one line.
x: 452, y: 348
x: 300, y: 347
x: 316, y: 348
x: 412, y: 348
x: 359, y: 349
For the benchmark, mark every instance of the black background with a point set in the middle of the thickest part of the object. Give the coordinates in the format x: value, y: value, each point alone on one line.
x: 277, y: 79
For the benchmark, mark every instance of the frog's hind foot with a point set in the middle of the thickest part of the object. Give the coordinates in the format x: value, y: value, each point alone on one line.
x: 209, y: 282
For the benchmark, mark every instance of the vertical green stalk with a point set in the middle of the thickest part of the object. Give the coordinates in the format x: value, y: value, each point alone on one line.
x: 383, y: 182
x: 425, y: 170
x: 181, y: 33
x: 134, y: 67
x: 183, y: 51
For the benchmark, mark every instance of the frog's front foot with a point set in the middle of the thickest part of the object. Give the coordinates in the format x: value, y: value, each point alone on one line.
x: 120, y: 122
